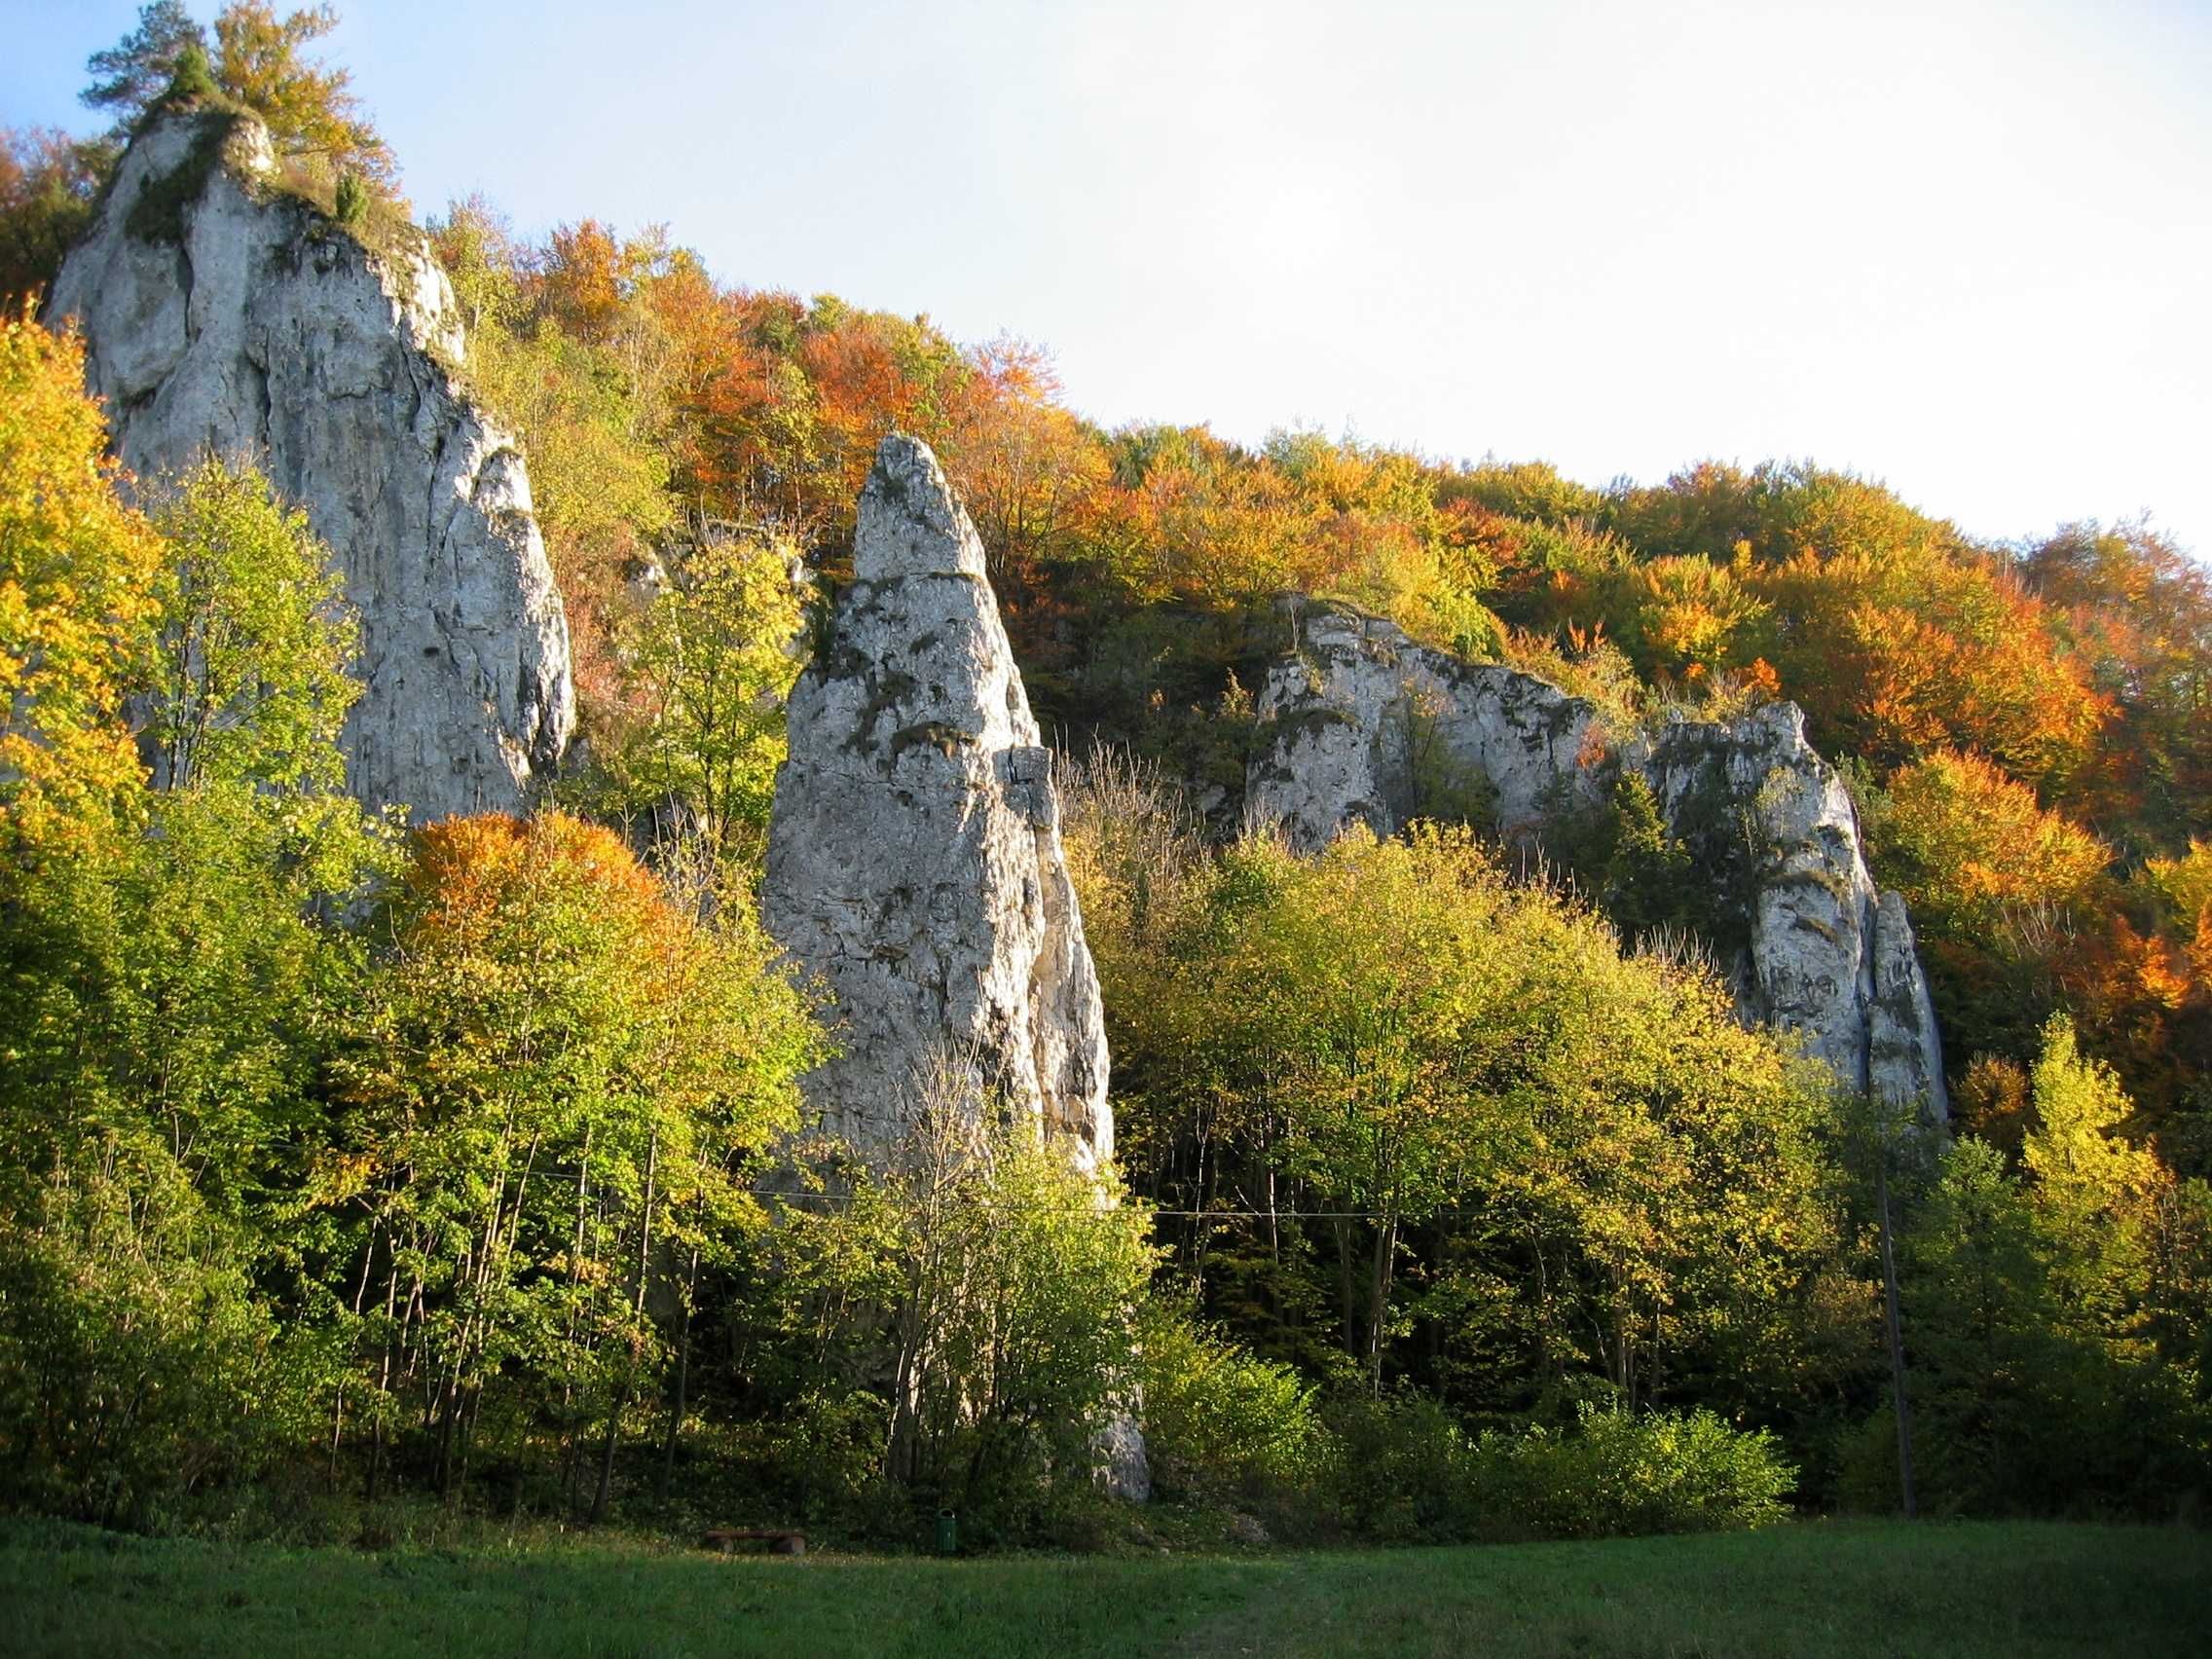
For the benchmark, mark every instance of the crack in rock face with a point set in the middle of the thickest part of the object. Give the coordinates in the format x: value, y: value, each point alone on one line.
x: 914, y: 858
x: 238, y: 321
x: 1359, y: 709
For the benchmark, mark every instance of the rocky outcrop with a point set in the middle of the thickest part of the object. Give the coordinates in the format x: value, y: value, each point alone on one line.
x: 1368, y: 727
x: 914, y: 861
x: 222, y: 313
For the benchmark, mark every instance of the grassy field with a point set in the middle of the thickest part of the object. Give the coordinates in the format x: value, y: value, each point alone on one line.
x: 1866, y: 1588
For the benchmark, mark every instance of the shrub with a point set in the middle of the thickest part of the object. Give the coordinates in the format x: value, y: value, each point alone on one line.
x: 352, y: 199
x: 135, y: 1370
x: 1624, y: 1474
x: 195, y: 77
x: 1399, y: 1470
x: 1220, y: 1424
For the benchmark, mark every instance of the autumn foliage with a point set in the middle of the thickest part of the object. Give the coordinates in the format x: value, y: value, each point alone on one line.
x: 78, y: 590
x: 2032, y: 715
x: 473, y: 1160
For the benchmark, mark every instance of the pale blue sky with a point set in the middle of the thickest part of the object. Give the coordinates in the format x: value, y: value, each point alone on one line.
x: 1965, y: 247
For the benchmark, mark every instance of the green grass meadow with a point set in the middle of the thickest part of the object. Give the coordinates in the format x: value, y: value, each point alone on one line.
x: 1813, y: 1588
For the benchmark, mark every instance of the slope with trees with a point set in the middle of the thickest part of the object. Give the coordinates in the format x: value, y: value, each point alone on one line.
x: 460, y: 1163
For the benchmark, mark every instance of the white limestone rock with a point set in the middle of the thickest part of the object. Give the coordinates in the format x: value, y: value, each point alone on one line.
x: 1827, y: 954
x: 1362, y: 713
x: 1368, y: 726
x: 914, y: 860
x: 1123, y: 1469
x: 252, y: 325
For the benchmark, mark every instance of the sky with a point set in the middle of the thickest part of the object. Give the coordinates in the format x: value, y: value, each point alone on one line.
x: 1963, y: 249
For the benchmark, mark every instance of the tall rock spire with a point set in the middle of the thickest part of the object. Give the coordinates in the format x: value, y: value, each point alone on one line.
x: 914, y: 860
x: 223, y: 314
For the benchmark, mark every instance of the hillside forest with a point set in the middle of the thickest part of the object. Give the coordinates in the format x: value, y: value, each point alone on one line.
x: 346, y: 1163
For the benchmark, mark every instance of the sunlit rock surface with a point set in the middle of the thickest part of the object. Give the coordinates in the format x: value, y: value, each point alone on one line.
x: 220, y: 314
x: 914, y: 861
x: 1367, y: 724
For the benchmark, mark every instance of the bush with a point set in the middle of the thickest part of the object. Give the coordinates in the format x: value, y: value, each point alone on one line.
x: 131, y: 1377
x: 1399, y: 1470
x: 816, y: 1460
x: 1623, y: 1474
x: 195, y: 77
x: 351, y: 201
x: 1220, y: 1424
x: 1403, y: 1469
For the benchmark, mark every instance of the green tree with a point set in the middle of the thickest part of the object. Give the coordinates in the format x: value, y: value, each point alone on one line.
x: 1644, y: 879
x: 2090, y: 1185
x: 169, y: 1002
x: 170, y: 999
x: 130, y: 76
x: 255, y: 638
x: 170, y: 990
x: 137, y: 1360
x: 49, y: 182
x: 1980, y: 1325
x: 1591, y: 1177
x: 546, y: 1007
x: 709, y: 665
x: 1020, y: 1281
x: 2057, y: 1317
x: 977, y: 1298
x: 1367, y: 975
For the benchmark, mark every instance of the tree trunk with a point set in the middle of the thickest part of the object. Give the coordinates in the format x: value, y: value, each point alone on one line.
x: 1897, y: 1395
x: 448, y: 1402
x: 1379, y: 1298
x: 1345, y: 1301
x: 683, y: 1379
x: 606, y: 1447
x: 336, y: 1432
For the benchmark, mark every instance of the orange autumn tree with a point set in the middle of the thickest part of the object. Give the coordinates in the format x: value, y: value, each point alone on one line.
x: 1895, y: 660
x: 1966, y: 844
x: 1897, y: 634
x: 1026, y: 469
x: 2138, y: 611
x: 2020, y: 914
x: 1687, y: 620
x: 566, y: 1073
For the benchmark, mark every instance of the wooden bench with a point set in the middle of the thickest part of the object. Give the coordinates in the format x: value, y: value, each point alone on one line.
x: 727, y: 1538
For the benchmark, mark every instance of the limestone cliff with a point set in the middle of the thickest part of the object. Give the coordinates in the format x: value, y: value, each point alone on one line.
x: 914, y: 861
x: 222, y: 313
x: 1364, y: 722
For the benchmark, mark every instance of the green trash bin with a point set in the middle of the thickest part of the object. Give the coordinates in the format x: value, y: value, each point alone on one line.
x: 947, y: 1533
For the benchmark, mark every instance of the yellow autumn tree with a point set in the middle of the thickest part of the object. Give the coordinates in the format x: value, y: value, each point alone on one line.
x: 1964, y: 842
x: 260, y: 60
x: 78, y: 573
